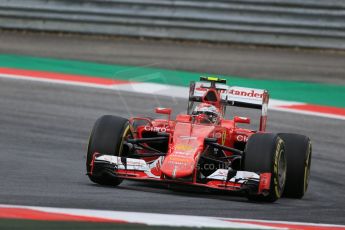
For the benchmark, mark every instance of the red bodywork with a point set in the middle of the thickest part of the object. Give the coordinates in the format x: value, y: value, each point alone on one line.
x: 186, y: 144
x: 187, y: 141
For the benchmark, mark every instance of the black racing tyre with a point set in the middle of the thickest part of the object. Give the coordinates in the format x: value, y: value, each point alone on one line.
x: 107, y: 137
x: 298, y: 150
x: 264, y: 152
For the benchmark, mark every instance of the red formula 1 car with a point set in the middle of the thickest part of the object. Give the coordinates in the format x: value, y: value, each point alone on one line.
x: 201, y: 148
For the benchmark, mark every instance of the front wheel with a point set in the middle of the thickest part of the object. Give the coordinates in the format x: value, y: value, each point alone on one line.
x: 107, y: 137
x: 265, y: 153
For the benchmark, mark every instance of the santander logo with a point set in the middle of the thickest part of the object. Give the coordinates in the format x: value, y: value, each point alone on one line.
x: 201, y: 89
x: 250, y: 93
x: 234, y: 90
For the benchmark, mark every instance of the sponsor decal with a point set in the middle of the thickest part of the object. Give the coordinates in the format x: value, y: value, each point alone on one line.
x: 163, y: 129
x: 181, y: 153
x: 219, y: 174
x: 250, y: 93
x: 242, y: 138
x: 201, y: 88
x: 183, y: 147
x: 188, y: 138
x: 179, y: 159
x: 181, y: 162
x: 131, y: 163
x: 221, y: 135
x: 218, y: 135
x: 240, y: 177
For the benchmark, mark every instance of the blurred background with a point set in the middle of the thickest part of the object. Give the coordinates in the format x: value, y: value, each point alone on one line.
x: 296, y: 48
x: 250, y: 38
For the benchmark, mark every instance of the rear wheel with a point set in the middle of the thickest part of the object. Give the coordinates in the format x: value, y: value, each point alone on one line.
x: 298, y: 153
x: 107, y: 137
x: 264, y: 153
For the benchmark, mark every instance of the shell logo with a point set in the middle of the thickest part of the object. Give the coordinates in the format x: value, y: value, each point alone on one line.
x: 183, y: 147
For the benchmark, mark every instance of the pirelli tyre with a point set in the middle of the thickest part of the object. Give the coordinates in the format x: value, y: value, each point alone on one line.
x: 298, y: 150
x: 265, y: 153
x: 107, y: 137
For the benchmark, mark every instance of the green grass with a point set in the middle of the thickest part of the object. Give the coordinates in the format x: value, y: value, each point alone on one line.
x: 313, y: 93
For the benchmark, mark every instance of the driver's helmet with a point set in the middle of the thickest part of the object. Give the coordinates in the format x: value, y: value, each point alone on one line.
x: 210, y: 112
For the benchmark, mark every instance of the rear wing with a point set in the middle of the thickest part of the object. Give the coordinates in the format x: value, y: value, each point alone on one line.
x: 249, y: 98
x: 245, y: 97
x: 234, y: 95
x: 217, y: 92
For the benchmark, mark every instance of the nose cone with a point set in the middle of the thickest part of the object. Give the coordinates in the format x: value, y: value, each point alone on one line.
x: 175, y: 166
x: 188, y: 143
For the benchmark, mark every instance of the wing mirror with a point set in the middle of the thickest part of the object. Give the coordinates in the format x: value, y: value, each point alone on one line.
x: 243, y: 120
x: 166, y: 111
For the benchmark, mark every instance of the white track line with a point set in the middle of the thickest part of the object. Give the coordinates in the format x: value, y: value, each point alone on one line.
x: 147, y: 218
x: 166, y: 90
x: 154, y: 219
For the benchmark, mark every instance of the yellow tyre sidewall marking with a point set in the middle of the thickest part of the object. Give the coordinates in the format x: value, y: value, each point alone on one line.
x: 306, y: 168
x: 125, y: 133
x: 275, y: 175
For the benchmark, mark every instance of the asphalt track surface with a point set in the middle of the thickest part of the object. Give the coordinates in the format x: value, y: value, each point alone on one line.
x: 44, y: 130
x: 44, y: 133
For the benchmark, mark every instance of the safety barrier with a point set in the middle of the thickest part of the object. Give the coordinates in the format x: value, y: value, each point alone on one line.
x: 307, y: 23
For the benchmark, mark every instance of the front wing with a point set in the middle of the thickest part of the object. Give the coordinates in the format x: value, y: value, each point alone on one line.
x: 139, y: 169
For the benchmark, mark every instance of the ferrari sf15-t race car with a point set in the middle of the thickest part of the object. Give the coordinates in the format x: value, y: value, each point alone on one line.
x: 202, y: 149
